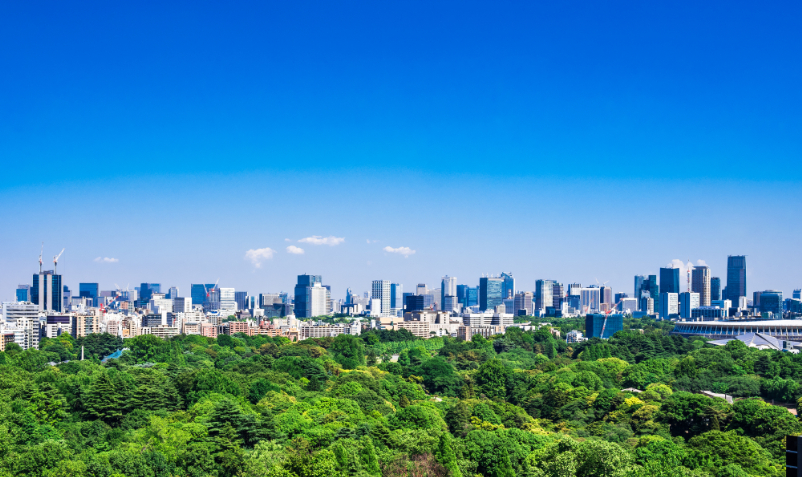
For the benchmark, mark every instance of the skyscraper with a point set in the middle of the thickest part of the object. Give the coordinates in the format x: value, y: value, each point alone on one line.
x: 89, y: 290
x: 557, y: 296
x: 396, y: 296
x: 146, y: 290
x: 241, y: 298
x: 649, y: 289
x: 448, y: 287
x: 715, y: 288
x: 669, y: 305
x: 471, y: 296
x: 46, y: 291
x: 772, y: 301
x: 700, y: 283
x: 381, y: 291
x: 544, y: 293
x: 24, y: 293
x: 736, y: 278
x: 523, y: 301
x: 462, y: 295
x: 669, y: 280
x: 303, y: 295
x: 689, y: 301
x: 490, y: 292
x: 172, y: 293
x: 508, y: 288
x: 638, y: 285
x: 606, y: 294
x: 198, y: 292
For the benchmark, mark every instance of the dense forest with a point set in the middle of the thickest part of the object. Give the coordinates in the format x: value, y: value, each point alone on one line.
x: 386, y: 404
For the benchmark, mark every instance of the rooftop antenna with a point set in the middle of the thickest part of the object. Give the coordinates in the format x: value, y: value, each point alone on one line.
x: 690, y: 267
x: 55, y: 261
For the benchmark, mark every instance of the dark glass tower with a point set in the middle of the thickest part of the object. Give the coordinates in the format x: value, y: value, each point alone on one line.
x: 715, y: 288
x: 669, y: 280
x: 490, y: 292
x: 736, y: 278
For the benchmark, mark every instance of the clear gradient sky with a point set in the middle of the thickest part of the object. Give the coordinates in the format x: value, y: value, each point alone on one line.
x: 564, y: 140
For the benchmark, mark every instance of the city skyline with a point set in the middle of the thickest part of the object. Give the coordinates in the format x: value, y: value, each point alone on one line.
x: 676, y: 264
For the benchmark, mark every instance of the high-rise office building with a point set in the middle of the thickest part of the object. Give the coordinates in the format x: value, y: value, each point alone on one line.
x: 620, y: 296
x: 606, y: 294
x: 228, y: 301
x: 638, y: 285
x: 523, y: 301
x: 590, y: 299
x: 303, y: 295
x: 715, y: 288
x: 172, y: 293
x: 23, y: 293
x: 462, y: 294
x: 46, y: 291
x: 89, y: 290
x: 241, y: 298
x: 544, y: 293
x: 700, y: 283
x: 490, y: 292
x: 396, y: 296
x: 471, y: 296
x: 669, y: 305
x: 508, y: 287
x: 557, y: 296
x: 414, y: 303
x: 689, y: 301
x: 736, y: 278
x: 146, y: 291
x: 797, y: 294
x: 448, y: 287
x: 450, y: 303
x: 669, y: 280
x: 649, y: 289
x: 421, y: 289
x: 381, y: 291
x: 199, y: 292
x: 772, y: 301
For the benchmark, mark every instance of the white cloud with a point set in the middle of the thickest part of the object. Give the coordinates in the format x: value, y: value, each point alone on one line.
x: 405, y: 251
x: 683, y: 267
x: 107, y: 260
x: 295, y: 250
x: 287, y: 240
x: 259, y: 255
x: 318, y: 240
x: 701, y: 263
x: 372, y: 241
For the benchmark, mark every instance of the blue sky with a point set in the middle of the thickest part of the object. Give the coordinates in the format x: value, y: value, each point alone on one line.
x: 571, y: 141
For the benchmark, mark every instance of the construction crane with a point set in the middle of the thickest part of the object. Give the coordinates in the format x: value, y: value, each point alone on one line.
x: 690, y: 267
x: 40, y: 257
x: 55, y: 261
x: 607, y: 315
x: 208, y: 292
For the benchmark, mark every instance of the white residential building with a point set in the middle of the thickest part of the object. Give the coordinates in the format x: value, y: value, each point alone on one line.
x: 182, y: 304
x: 381, y: 291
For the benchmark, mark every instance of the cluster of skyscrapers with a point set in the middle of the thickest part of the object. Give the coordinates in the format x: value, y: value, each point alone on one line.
x: 50, y: 307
